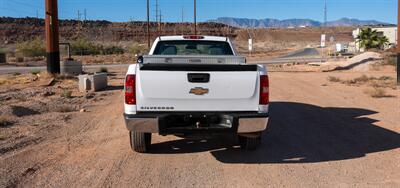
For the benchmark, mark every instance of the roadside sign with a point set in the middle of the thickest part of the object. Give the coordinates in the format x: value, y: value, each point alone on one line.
x: 250, y: 45
x: 339, y: 47
x: 323, y: 40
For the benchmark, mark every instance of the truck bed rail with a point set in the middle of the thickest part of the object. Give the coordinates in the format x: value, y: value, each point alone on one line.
x: 193, y: 59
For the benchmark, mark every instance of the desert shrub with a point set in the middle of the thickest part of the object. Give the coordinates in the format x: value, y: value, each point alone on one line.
x: 362, y: 79
x: 112, y: 50
x: 16, y: 73
x: 35, y: 72
x: 333, y: 79
x: 376, y: 92
x: 359, y: 80
x: 385, y: 78
x: 136, y: 48
x: 33, y: 48
x: 84, y: 47
x: 66, y: 94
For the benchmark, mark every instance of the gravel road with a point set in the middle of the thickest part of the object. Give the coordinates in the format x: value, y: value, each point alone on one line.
x: 319, y: 135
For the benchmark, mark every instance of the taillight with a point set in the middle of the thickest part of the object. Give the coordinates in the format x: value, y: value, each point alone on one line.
x: 130, y: 91
x: 264, y: 90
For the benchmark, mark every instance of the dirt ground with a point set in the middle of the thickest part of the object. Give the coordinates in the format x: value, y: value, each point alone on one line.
x: 320, y: 134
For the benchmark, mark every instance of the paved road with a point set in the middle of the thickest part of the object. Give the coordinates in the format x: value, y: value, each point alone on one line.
x: 287, y: 60
x: 91, y: 68
x: 306, y: 52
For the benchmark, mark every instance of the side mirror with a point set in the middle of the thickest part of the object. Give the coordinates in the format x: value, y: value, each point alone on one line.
x: 139, y: 59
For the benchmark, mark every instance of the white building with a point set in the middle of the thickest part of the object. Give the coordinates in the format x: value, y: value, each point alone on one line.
x: 389, y: 32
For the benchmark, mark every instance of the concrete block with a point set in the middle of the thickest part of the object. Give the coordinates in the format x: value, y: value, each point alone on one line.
x: 70, y: 67
x: 95, y: 82
x: 99, y: 81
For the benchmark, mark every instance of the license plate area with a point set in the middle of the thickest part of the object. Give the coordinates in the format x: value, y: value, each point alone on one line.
x: 197, y: 123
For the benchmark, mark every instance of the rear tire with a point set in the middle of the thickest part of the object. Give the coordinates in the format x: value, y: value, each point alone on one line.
x: 249, y: 143
x: 140, y: 142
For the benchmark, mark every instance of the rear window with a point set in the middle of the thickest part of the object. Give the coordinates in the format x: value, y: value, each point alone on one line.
x: 193, y: 47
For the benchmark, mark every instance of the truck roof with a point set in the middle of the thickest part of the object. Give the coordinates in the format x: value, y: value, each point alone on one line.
x: 187, y: 37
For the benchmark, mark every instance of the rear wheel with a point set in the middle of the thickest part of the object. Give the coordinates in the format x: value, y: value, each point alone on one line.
x: 140, y: 142
x: 249, y: 143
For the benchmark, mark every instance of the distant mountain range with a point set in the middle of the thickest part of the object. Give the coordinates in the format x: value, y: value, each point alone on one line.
x: 275, y: 23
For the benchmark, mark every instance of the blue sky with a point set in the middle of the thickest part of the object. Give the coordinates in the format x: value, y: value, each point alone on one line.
x: 125, y: 10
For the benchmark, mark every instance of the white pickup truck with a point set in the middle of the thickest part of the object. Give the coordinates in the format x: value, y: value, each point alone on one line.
x: 195, y: 85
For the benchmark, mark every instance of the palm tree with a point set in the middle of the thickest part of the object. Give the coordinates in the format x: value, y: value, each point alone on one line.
x: 369, y: 38
x: 382, y: 42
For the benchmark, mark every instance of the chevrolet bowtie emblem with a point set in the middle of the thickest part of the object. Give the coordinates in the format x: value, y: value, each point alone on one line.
x: 198, y: 91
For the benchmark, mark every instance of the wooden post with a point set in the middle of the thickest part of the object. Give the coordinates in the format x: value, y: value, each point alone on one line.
x: 52, y: 38
x: 148, y: 24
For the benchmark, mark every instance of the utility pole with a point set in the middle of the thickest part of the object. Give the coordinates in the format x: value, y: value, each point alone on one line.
x: 325, y: 14
x: 84, y: 13
x: 148, y: 24
x: 398, y: 44
x: 79, y: 15
x: 195, y: 21
x: 182, y: 21
x: 37, y: 14
x: 52, y: 38
x: 156, y: 10
x: 159, y: 23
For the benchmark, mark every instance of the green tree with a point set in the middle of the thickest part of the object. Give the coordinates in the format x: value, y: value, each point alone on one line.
x: 369, y: 39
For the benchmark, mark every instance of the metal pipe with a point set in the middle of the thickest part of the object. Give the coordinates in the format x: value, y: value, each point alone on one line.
x: 52, y: 37
x: 68, y: 48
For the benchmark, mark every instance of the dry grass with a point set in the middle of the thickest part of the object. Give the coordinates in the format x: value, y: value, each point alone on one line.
x: 3, y: 136
x: 375, y: 82
x: 64, y: 77
x: 64, y: 109
x: 16, y: 73
x: 334, y: 79
x: 3, y: 81
x: 356, y: 81
x: 376, y: 92
x: 66, y: 94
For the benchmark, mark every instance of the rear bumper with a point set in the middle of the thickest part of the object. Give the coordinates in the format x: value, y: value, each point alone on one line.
x: 241, y: 122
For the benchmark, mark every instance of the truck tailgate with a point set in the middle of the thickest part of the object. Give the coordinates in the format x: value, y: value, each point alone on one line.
x: 196, y: 87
